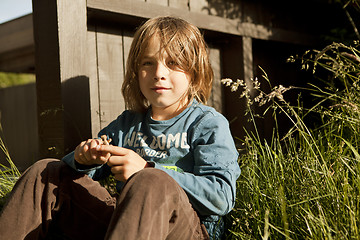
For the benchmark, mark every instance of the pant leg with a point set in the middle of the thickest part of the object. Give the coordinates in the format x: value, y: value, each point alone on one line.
x: 51, y: 191
x: 153, y: 206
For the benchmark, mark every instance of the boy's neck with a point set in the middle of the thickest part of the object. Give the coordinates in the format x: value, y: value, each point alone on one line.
x: 166, y: 113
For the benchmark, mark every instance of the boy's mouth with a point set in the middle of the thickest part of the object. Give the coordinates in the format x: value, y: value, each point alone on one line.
x: 159, y: 89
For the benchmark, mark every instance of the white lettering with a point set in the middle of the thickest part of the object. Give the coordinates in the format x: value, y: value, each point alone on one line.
x: 143, y: 141
x: 154, y: 143
x: 184, y: 144
x: 129, y: 141
x: 163, y: 154
x: 172, y: 138
x: 162, y: 142
x: 137, y: 139
x: 161, y: 139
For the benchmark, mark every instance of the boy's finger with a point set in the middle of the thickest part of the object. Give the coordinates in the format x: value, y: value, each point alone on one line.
x: 103, y: 157
x: 113, y: 150
x: 93, y: 144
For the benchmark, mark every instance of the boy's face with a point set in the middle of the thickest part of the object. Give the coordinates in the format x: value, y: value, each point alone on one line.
x: 162, y: 82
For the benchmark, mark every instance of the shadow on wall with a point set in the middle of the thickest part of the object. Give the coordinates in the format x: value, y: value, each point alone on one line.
x: 62, y: 128
x: 308, y: 16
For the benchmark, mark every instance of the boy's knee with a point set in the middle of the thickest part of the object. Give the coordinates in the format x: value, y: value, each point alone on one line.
x: 44, y: 165
x: 152, y: 178
x: 152, y: 175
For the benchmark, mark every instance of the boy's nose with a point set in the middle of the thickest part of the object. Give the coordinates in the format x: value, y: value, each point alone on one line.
x: 161, y: 71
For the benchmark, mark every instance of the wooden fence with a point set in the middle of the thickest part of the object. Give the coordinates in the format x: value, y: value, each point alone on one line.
x: 18, y: 117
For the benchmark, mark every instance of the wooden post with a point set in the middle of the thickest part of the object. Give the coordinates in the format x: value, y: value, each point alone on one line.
x: 237, y: 63
x: 247, y: 60
x: 61, y: 73
x: 233, y: 67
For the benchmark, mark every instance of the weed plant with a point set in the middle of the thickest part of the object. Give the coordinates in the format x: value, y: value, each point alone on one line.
x: 8, y: 174
x: 305, y: 185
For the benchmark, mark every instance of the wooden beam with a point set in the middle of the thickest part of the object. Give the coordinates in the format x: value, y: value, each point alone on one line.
x: 142, y: 10
x: 48, y: 85
x: 248, y: 63
x: 62, y: 76
x: 17, y: 45
x: 111, y: 72
x: 21, y: 60
x: 16, y: 34
x: 233, y: 67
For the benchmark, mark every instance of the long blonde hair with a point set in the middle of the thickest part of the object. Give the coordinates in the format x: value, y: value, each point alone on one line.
x: 184, y: 43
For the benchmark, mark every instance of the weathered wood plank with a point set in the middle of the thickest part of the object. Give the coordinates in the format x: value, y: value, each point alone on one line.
x: 183, y: 4
x: 19, y: 60
x: 159, y: 2
x: 203, y: 21
x: 232, y: 66
x: 198, y: 6
x: 73, y: 71
x: 19, y: 121
x: 16, y: 34
x: 216, y: 98
x: 248, y: 63
x: 127, y: 40
x: 48, y: 85
x: 61, y: 74
x: 233, y: 9
x: 93, y: 81
x: 111, y: 74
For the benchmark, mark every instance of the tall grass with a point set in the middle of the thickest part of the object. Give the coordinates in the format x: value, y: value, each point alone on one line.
x: 305, y: 185
x: 8, y: 173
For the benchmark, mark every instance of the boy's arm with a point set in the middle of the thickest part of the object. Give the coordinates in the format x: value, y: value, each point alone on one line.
x: 211, y: 187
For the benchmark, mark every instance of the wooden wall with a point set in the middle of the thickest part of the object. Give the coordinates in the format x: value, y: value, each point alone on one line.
x: 17, y: 45
x: 19, y: 121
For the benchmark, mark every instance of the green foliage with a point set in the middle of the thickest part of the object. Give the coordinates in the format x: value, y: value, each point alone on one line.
x: 8, y: 173
x: 12, y: 79
x: 306, y: 185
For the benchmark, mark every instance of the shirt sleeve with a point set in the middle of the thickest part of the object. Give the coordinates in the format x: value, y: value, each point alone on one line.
x: 211, y: 187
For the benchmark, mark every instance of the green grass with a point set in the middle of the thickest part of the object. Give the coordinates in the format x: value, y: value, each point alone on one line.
x: 13, y: 79
x: 306, y: 185
x: 8, y: 173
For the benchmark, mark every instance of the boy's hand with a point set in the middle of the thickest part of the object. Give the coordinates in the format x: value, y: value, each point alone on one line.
x: 123, y: 162
x: 87, y: 153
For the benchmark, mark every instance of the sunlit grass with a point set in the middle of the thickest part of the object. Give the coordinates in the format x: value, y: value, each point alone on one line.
x: 8, y: 173
x: 305, y: 185
x: 13, y: 79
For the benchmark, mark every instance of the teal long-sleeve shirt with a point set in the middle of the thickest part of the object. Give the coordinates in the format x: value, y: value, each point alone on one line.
x: 195, y: 148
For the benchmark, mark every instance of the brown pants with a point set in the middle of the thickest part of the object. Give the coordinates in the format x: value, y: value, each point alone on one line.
x: 52, y: 197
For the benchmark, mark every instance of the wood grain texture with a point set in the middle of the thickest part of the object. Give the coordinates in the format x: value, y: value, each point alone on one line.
x: 16, y: 34
x: 159, y: 2
x: 93, y: 81
x: 216, y: 98
x: 182, y: 4
x: 111, y: 74
x: 61, y: 73
x: 197, y: 16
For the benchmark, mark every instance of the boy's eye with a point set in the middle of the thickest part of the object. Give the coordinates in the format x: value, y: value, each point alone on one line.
x: 146, y: 63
